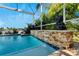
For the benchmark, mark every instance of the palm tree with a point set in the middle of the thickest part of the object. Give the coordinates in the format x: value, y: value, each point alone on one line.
x: 53, y: 10
x: 43, y: 17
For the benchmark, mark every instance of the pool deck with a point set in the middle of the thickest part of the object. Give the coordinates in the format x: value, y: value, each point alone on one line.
x: 64, y: 53
x: 67, y: 52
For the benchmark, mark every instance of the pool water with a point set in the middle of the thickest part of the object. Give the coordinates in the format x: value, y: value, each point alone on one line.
x: 24, y: 45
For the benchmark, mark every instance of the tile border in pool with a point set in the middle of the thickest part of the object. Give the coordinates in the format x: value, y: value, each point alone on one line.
x: 14, y: 35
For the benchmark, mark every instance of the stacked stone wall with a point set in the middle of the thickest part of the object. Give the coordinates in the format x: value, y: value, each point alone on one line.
x: 59, y: 38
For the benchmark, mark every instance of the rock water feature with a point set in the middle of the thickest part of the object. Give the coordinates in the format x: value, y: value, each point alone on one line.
x: 59, y: 38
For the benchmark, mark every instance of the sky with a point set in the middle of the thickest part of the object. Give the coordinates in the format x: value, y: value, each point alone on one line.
x: 9, y: 18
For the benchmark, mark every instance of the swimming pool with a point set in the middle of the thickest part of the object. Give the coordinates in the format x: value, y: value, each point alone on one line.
x: 24, y: 46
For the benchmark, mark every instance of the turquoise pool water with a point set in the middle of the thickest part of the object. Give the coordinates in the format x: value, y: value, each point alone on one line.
x: 24, y: 45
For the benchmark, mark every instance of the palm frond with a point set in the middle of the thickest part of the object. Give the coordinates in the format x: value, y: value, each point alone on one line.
x: 38, y: 6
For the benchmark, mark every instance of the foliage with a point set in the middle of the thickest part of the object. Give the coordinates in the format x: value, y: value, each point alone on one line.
x: 53, y: 11
x: 70, y: 11
x: 37, y: 22
x: 54, y: 8
x: 70, y: 26
x: 75, y: 36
